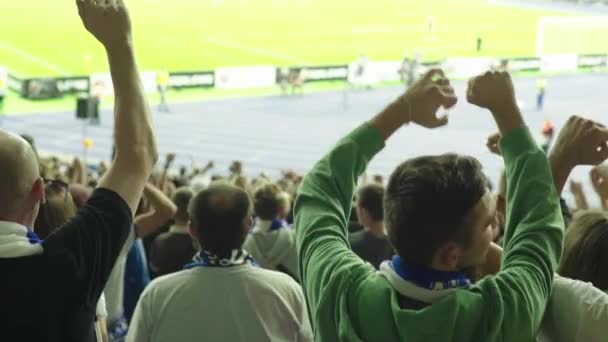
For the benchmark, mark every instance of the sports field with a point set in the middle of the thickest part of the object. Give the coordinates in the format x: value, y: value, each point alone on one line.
x: 46, y: 38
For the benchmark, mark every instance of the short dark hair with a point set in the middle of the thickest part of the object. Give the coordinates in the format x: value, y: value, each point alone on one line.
x: 217, y: 214
x: 585, y: 254
x: 267, y: 201
x: 370, y: 197
x: 181, y: 198
x: 427, y: 202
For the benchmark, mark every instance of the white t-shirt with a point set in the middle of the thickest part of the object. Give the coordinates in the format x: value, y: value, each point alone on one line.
x: 273, y: 248
x: 100, y: 312
x: 239, y: 303
x: 577, y: 311
x: 115, y: 287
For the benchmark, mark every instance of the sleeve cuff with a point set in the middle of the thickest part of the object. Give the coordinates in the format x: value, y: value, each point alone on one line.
x: 369, y: 140
x: 518, y: 141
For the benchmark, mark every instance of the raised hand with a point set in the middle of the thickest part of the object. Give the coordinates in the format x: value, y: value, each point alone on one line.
x: 494, y: 91
x: 419, y: 105
x: 582, y: 142
x: 493, y: 143
x: 424, y: 98
x: 107, y: 20
x: 599, y: 179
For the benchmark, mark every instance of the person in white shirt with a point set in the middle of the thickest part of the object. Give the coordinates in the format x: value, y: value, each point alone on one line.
x: 146, y: 223
x: 578, y: 309
x: 271, y: 242
x: 223, y: 295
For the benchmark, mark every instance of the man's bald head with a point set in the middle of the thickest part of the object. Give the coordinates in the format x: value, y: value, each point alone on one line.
x: 18, y: 174
x: 220, y: 216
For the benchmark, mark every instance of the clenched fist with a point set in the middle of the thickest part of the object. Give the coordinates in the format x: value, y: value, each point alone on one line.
x: 582, y: 142
x: 494, y: 91
x: 106, y: 20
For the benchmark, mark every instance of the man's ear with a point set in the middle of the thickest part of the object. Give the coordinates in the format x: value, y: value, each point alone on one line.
x: 447, y: 257
x: 38, y: 191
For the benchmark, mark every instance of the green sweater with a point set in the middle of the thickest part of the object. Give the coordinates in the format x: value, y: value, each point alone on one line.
x: 349, y: 301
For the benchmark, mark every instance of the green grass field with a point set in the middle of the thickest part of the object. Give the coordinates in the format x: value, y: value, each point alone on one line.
x: 46, y: 37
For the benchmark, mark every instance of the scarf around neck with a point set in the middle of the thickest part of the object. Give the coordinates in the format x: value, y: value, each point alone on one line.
x: 428, y: 278
x: 18, y: 241
x: 237, y: 257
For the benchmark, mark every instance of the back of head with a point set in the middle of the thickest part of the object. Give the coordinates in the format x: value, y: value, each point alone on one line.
x: 267, y: 201
x: 370, y: 197
x: 586, y: 248
x: 58, y: 209
x: 18, y: 175
x: 427, y: 203
x: 221, y: 217
x: 30, y: 140
x: 181, y: 198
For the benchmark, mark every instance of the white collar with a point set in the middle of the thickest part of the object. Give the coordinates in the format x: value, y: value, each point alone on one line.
x: 409, y: 289
x: 179, y: 229
x: 14, y: 242
x: 262, y: 225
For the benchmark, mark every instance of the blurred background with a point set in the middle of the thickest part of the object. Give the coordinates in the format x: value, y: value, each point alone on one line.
x: 273, y: 83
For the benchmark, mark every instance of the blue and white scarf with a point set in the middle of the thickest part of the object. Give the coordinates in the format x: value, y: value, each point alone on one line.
x: 428, y: 278
x: 278, y: 224
x: 18, y: 241
x: 237, y: 257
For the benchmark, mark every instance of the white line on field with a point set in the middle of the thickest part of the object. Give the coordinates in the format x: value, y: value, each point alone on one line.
x: 32, y: 58
x: 252, y: 50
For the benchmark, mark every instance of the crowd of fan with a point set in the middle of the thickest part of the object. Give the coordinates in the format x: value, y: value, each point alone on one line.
x: 430, y: 254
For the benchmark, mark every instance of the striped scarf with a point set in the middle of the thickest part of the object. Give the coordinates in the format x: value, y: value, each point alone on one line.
x: 237, y: 257
x: 18, y: 241
x: 428, y: 278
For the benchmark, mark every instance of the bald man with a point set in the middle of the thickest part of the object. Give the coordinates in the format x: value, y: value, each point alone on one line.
x: 49, y: 289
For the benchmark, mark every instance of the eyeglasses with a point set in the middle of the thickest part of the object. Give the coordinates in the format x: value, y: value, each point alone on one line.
x: 58, y: 186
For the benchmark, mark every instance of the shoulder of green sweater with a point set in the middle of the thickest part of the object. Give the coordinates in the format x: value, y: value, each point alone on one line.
x: 516, y: 142
x: 367, y: 137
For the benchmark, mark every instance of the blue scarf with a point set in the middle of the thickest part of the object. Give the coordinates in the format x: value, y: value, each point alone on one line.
x: 34, y: 239
x: 278, y: 224
x: 205, y: 258
x: 428, y: 278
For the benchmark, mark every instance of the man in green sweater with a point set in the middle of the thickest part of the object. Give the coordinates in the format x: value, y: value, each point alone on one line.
x: 439, y: 216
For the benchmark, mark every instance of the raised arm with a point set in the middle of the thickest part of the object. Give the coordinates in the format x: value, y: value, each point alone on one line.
x: 134, y: 138
x: 95, y: 236
x: 163, y: 210
x: 324, y: 199
x: 534, y: 229
x: 163, y: 180
x: 579, y: 143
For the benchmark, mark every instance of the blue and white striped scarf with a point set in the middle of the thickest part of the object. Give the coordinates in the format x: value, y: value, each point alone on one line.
x: 205, y: 258
x: 18, y: 241
x: 428, y: 278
